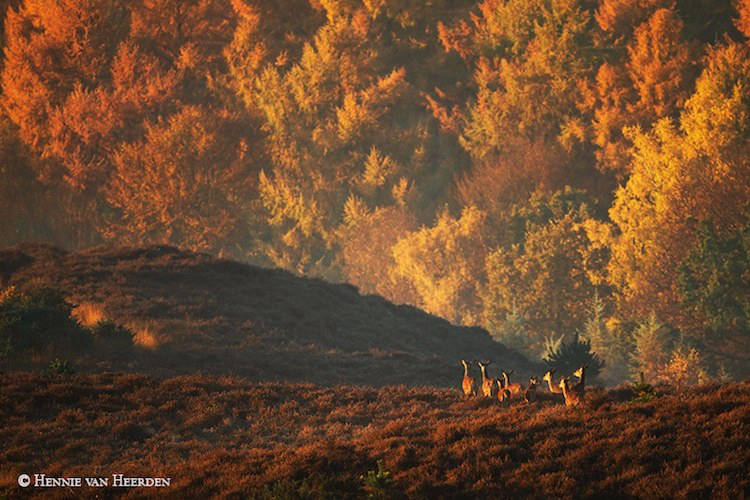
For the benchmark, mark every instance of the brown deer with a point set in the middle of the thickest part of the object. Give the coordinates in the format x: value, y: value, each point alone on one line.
x: 489, y: 387
x: 572, y: 397
x: 514, y: 389
x: 529, y: 394
x: 503, y: 394
x: 548, y: 378
x: 581, y: 374
x: 468, y: 384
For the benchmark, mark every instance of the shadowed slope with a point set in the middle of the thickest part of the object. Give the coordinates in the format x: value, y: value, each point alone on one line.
x: 222, y: 317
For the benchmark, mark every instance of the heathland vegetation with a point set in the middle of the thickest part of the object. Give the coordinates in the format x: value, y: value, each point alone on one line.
x: 537, y: 168
x: 156, y: 362
x: 229, y: 437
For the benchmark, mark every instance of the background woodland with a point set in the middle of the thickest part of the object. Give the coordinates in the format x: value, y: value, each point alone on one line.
x: 542, y: 168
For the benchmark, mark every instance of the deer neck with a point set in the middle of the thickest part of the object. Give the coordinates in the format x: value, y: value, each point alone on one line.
x: 564, y: 389
x: 466, y: 371
x: 552, y: 388
x: 506, y: 379
x: 484, y: 373
x: 582, y: 382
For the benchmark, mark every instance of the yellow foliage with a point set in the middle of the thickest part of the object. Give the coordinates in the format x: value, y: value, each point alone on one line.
x: 445, y: 265
x: 685, y: 368
x: 679, y: 177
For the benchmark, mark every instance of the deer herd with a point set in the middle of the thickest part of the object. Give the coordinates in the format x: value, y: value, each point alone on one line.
x: 505, y: 391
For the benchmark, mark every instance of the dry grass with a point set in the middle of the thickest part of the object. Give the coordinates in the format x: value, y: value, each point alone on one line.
x: 225, y: 436
x: 144, y: 334
x: 89, y: 314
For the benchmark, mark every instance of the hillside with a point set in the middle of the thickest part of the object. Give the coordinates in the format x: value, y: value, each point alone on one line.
x: 213, y: 316
x: 232, y: 438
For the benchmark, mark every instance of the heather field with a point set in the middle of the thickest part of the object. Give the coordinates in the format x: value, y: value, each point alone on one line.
x: 241, y: 382
x: 232, y: 438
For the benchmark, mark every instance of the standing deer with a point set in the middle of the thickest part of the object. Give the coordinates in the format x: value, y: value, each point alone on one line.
x: 572, y: 397
x: 529, y: 394
x: 514, y: 389
x: 581, y: 374
x: 489, y: 387
x: 503, y: 394
x: 468, y: 384
x: 548, y: 378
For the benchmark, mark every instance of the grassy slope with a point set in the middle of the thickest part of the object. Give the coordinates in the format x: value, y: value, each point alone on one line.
x: 229, y: 436
x: 220, y: 317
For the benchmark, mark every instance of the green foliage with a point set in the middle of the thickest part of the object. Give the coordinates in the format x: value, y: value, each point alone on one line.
x: 512, y: 332
x: 37, y: 319
x: 611, y: 345
x: 377, y: 483
x: 642, y: 392
x: 713, y: 281
x: 60, y: 367
x: 654, y: 342
x: 546, y: 268
x: 566, y: 357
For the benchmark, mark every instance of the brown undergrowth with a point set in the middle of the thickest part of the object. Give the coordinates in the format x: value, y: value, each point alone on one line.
x: 222, y: 436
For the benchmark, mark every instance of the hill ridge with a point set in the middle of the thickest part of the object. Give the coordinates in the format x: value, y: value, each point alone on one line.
x: 220, y: 316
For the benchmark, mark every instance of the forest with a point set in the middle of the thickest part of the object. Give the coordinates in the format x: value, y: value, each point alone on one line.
x: 550, y: 170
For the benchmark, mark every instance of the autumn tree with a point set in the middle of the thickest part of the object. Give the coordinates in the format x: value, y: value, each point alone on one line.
x: 743, y: 20
x: 444, y: 263
x: 651, y: 80
x: 366, y: 240
x: 185, y: 183
x: 85, y: 81
x: 547, y: 269
x: 343, y: 120
x: 681, y: 176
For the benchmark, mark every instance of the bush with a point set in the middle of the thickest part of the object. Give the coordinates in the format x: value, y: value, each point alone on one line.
x: 642, y: 391
x: 377, y: 483
x: 32, y: 321
x: 566, y: 357
x: 112, y: 334
x: 60, y: 367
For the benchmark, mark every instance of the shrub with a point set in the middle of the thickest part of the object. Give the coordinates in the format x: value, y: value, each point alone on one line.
x: 60, y: 367
x: 642, y: 391
x: 112, y: 334
x: 685, y: 367
x: 377, y: 483
x: 566, y: 357
x: 37, y: 319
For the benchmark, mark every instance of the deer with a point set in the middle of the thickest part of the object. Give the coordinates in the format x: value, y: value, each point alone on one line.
x: 572, y: 397
x: 529, y: 394
x: 489, y: 386
x: 468, y: 384
x: 581, y: 374
x: 503, y: 394
x: 514, y: 389
x: 548, y: 378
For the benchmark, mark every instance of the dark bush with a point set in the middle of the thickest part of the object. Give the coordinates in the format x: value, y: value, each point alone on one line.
x: 567, y: 357
x: 60, y: 367
x: 35, y: 320
x: 113, y: 335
